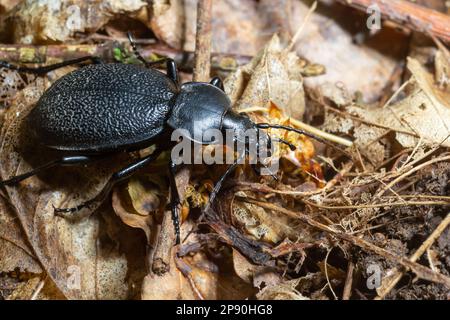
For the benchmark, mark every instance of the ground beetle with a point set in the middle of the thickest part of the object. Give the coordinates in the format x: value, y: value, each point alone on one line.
x: 105, y: 108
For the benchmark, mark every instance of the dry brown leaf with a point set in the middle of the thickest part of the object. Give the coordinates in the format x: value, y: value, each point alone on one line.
x: 167, y: 21
x: 275, y: 76
x: 69, y: 252
x: 45, y: 21
x: 15, y: 252
x: 129, y: 217
x: 282, y: 291
x: 145, y: 193
x: 236, y: 26
x: 442, y: 67
x: 170, y: 286
x: 258, y: 276
x: 425, y: 112
x: 7, y: 5
x: 329, y: 39
x: 25, y: 290
x: 269, y: 227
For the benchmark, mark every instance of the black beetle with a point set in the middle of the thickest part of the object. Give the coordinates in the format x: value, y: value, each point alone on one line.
x: 105, y: 108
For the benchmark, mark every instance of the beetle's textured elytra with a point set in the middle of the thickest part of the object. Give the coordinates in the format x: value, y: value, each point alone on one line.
x: 103, y: 107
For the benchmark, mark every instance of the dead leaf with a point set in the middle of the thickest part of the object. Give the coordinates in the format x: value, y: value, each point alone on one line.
x: 15, y: 252
x: 282, y: 291
x: 275, y: 76
x: 129, y: 217
x: 425, y: 112
x: 167, y: 21
x: 329, y: 38
x: 68, y: 252
x: 49, y: 21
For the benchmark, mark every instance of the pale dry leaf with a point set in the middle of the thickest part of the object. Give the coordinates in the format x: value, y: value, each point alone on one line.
x: 45, y: 21
x: 425, y: 112
x: 167, y: 21
x: 15, y: 252
x: 171, y: 285
x: 329, y: 39
x: 236, y: 26
x: 7, y: 5
x: 262, y: 225
x: 214, y: 281
x: 283, y: 291
x: 275, y: 76
x: 67, y: 251
x: 442, y: 67
x: 254, y: 274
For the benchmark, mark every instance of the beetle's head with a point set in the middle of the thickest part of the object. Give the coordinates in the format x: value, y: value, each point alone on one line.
x: 257, y: 143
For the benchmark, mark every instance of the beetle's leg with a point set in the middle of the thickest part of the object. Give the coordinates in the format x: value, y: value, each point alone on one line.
x: 136, y: 51
x: 171, y: 66
x: 172, y: 71
x: 87, y: 207
x: 45, y: 69
x: 72, y: 160
x: 222, y: 179
x: 174, y: 200
x: 217, y: 82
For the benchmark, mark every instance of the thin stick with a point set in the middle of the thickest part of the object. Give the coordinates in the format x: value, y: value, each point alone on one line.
x: 393, y: 280
x: 38, y: 288
x: 407, y: 14
x: 23, y: 53
x: 420, y: 270
x: 348, y: 281
x: 203, y: 41
x: 410, y: 172
x: 302, y: 26
x: 163, y: 250
x: 325, y: 135
x: 380, y: 205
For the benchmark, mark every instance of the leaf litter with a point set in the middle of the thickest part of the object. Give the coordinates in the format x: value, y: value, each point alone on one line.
x: 380, y: 198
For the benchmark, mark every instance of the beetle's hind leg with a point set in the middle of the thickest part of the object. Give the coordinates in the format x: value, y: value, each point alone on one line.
x: 44, y: 69
x: 86, y: 208
x: 70, y: 160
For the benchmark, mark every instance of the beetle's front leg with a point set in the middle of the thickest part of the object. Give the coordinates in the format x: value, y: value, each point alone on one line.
x: 175, y: 202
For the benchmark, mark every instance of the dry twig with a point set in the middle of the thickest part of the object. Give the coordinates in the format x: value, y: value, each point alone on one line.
x: 162, y: 253
x: 421, y: 271
x: 395, y: 278
x: 407, y: 14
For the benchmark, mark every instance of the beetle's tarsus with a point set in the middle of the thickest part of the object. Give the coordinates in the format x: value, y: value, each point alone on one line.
x: 175, y: 202
x: 77, y: 213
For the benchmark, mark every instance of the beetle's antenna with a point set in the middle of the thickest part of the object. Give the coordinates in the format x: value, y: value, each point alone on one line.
x: 287, y: 128
x: 290, y: 145
x: 135, y: 49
